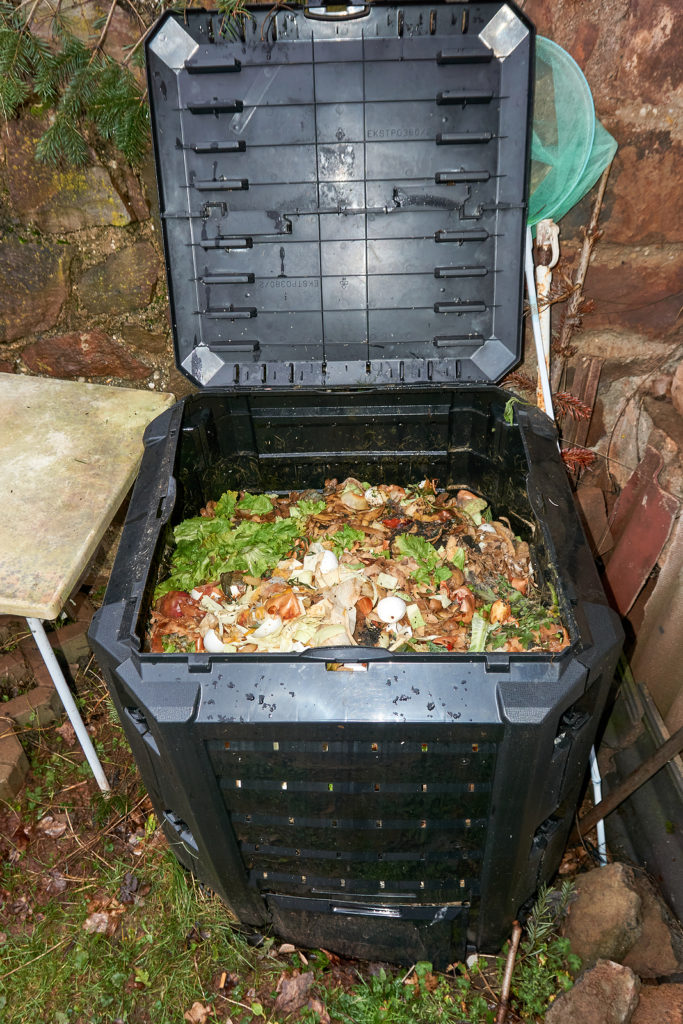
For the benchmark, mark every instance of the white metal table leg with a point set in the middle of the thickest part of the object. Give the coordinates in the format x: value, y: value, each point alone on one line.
x: 48, y: 655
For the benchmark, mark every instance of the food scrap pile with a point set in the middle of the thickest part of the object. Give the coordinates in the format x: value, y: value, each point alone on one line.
x: 406, y: 569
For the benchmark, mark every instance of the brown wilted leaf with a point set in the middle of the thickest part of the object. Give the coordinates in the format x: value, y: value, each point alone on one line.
x: 198, y: 1013
x: 430, y: 981
x: 129, y: 888
x: 53, y: 827
x: 293, y: 992
x: 97, y: 923
x: 56, y: 882
x: 66, y: 731
x: 21, y: 837
x: 318, y: 1007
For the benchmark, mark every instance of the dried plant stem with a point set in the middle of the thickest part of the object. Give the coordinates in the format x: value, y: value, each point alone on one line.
x: 507, y: 977
x: 103, y: 34
x: 571, y: 316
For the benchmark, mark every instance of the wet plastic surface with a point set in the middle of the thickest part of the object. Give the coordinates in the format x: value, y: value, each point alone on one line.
x: 343, y: 201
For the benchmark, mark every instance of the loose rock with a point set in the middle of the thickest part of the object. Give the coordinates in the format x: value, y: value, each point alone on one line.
x: 605, y: 920
x: 606, y: 994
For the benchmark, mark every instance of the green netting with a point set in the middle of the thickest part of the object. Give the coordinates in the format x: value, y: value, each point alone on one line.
x: 569, y: 148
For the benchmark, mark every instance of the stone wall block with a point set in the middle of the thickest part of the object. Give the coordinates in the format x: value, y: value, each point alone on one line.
x: 661, y: 1004
x: 121, y: 283
x: 33, y: 286
x: 57, y: 200
x: 83, y: 354
x: 636, y: 289
x: 659, y: 950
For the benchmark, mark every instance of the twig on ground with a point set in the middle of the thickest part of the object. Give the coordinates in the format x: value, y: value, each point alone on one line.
x: 509, y: 968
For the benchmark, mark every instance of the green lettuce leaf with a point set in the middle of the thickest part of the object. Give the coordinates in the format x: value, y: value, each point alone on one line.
x: 345, y: 538
x: 412, y: 546
x: 225, y: 506
x: 481, y: 628
x: 305, y: 508
x: 259, y: 504
x: 203, y: 552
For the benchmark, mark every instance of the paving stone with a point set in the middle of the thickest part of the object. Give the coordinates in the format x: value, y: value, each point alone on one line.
x: 606, y: 994
x: 39, y: 706
x: 605, y: 919
x: 33, y: 286
x: 58, y: 200
x: 13, y: 667
x: 13, y: 762
x: 123, y: 282
x: 83, y: 354
x: 71, y: 640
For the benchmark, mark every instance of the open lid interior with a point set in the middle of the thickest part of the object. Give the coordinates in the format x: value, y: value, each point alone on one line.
x: 343, y: 192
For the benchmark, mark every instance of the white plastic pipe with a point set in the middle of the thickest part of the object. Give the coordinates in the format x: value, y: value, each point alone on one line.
x: 597, y: 797
x: 548, y: 402
x: 62, y: 688
x: 529, y: 273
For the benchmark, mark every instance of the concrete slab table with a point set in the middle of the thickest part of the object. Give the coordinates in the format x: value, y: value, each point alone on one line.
x: 68, y: 455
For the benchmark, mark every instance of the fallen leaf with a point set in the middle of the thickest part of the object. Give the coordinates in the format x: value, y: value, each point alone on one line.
x: 21, y: 908
x: 129, y: 887
x: 430, y: 981
x: 318, y: 1007
x: 198, y: 1013
x: 21, y: 837
x: 97, y: 923
x: 293, y: 992
x: 52, y: 827
x: 287, y: 947
x: 56, y: 882
x: 3, y: 938
x: 67, y: 732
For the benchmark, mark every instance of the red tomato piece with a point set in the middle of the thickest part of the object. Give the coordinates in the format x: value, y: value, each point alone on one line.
x: 176, y: 604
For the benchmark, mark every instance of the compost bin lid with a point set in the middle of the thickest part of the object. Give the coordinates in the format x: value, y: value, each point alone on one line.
x: 343, y: 191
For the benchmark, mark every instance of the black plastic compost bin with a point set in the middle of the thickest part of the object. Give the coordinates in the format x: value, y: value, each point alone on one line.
x: 343, y: 203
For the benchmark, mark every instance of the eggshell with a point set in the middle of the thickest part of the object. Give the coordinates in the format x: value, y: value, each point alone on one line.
x: 391, y: 609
